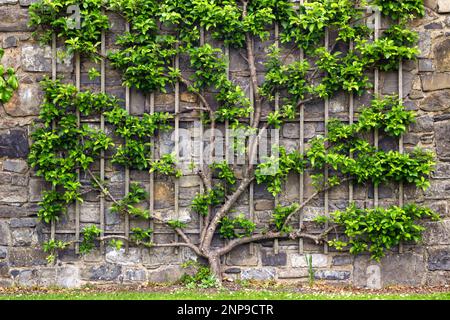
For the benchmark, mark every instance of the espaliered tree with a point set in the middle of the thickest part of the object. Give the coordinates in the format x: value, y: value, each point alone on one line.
x: 162, y: 30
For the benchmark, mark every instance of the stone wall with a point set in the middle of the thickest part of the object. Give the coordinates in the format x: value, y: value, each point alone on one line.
x: 426, y: 88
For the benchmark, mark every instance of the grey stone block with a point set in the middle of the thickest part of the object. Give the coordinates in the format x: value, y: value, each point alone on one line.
x: 269, y: 258
x: 14, y: 143
x: 439, y: 259
x: 25, y: 257
x: 104, y: 272
x: 23, y: 223
x: 265, y: 273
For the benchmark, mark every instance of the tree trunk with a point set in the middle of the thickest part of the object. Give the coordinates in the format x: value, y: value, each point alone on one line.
x: 215, y: 267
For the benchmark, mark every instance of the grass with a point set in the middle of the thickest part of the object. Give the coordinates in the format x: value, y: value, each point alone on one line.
x: 183, y: 294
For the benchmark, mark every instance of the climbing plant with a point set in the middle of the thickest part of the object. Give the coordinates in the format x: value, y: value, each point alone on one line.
x: 8, y: 81
x: 145, y: 54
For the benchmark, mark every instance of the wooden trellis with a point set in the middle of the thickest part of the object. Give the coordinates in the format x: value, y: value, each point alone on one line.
x: 150, y: 107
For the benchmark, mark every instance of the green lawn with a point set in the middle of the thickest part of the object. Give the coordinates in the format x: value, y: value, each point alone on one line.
x: 218, y: 295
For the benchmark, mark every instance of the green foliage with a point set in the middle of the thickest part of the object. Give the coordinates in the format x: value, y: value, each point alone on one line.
x: 128, y: 205
x: 8, y: 81
x: 291, y: 77
x: 307, y: 28
x: 379, y: 229
x: 403, y: 10
x: 203, y: 277
x: 141, y: 235
x: 238, y: 227
x: 135, y: 131
x: 93, y: 74
x: 211, y: 72
x: 224, y: 172
x: 176, y: 224
x: 279, y: 215
x: 145, y: 54
x: 343, y: 72
x: 58, y: 151
x: 90, y: 234
x: 395, y: 45
x: 51, y: 16
x: 116, y: 244
x: 213, y: 197
x: 166, y: 165
x: 387, y: 114
x: 276, y: 168
x: 311, y: 272
x: 51, y: 247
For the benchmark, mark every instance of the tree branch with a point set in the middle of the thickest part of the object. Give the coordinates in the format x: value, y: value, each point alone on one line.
x: 207, y: 239
x: 273, y: 235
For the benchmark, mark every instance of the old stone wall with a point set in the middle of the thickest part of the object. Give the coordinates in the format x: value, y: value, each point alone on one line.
x: 426, y: 89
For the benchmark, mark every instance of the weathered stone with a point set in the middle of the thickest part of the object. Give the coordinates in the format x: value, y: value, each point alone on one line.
x: 241, y: 256
x: 13, y: 194
x: 5, y: 235
x: 189, y: 181
x: 46, y: 277
x: 443, y: 6
x: 442, y: 170
x: 23, y: 257
x: 13, y: 211
x: 442, y: 56
x: 264, y: 204
x: 13, y: 19
x: 26, y: 101
x: 433, y: 26
x: 10, y: 42
x: 121, y: 257
x: 439, y: 259
x: 188, y: 97
x: 90, y: 212
x: 23, y: 237
x: 435, y: 81
x: 23, y: 223
x: 3, y: 252
x: 165, y: 215
x: 260, y: 274
x: 68, y: 277
x: 416, y: 94
x: 269, y: 258
x: 442, y: 132
x: 26, y: 3
x: 342, y: 260
x: 424, y: 44
x: 104, y: 272
x: 165, y: 274
x: 36, y: 188
x: 423, y: 124
x: 15, y: 165
x: 4, y: 269
x: 437, y: 233
x: 134, y: 274
x: 233, y: 270
x: 8, y: 2
x: 291, y: 131
x: 437, y: 101
x: 318, y: 260
x: 27, y: 278
x: 292, y: 273
x: 163, y: 195
x: 406, y: 269
x: 439, y: 189
x: 159, y: 256
x: 14, y: 143
x: 332, y: 275
x: 35, y: 58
